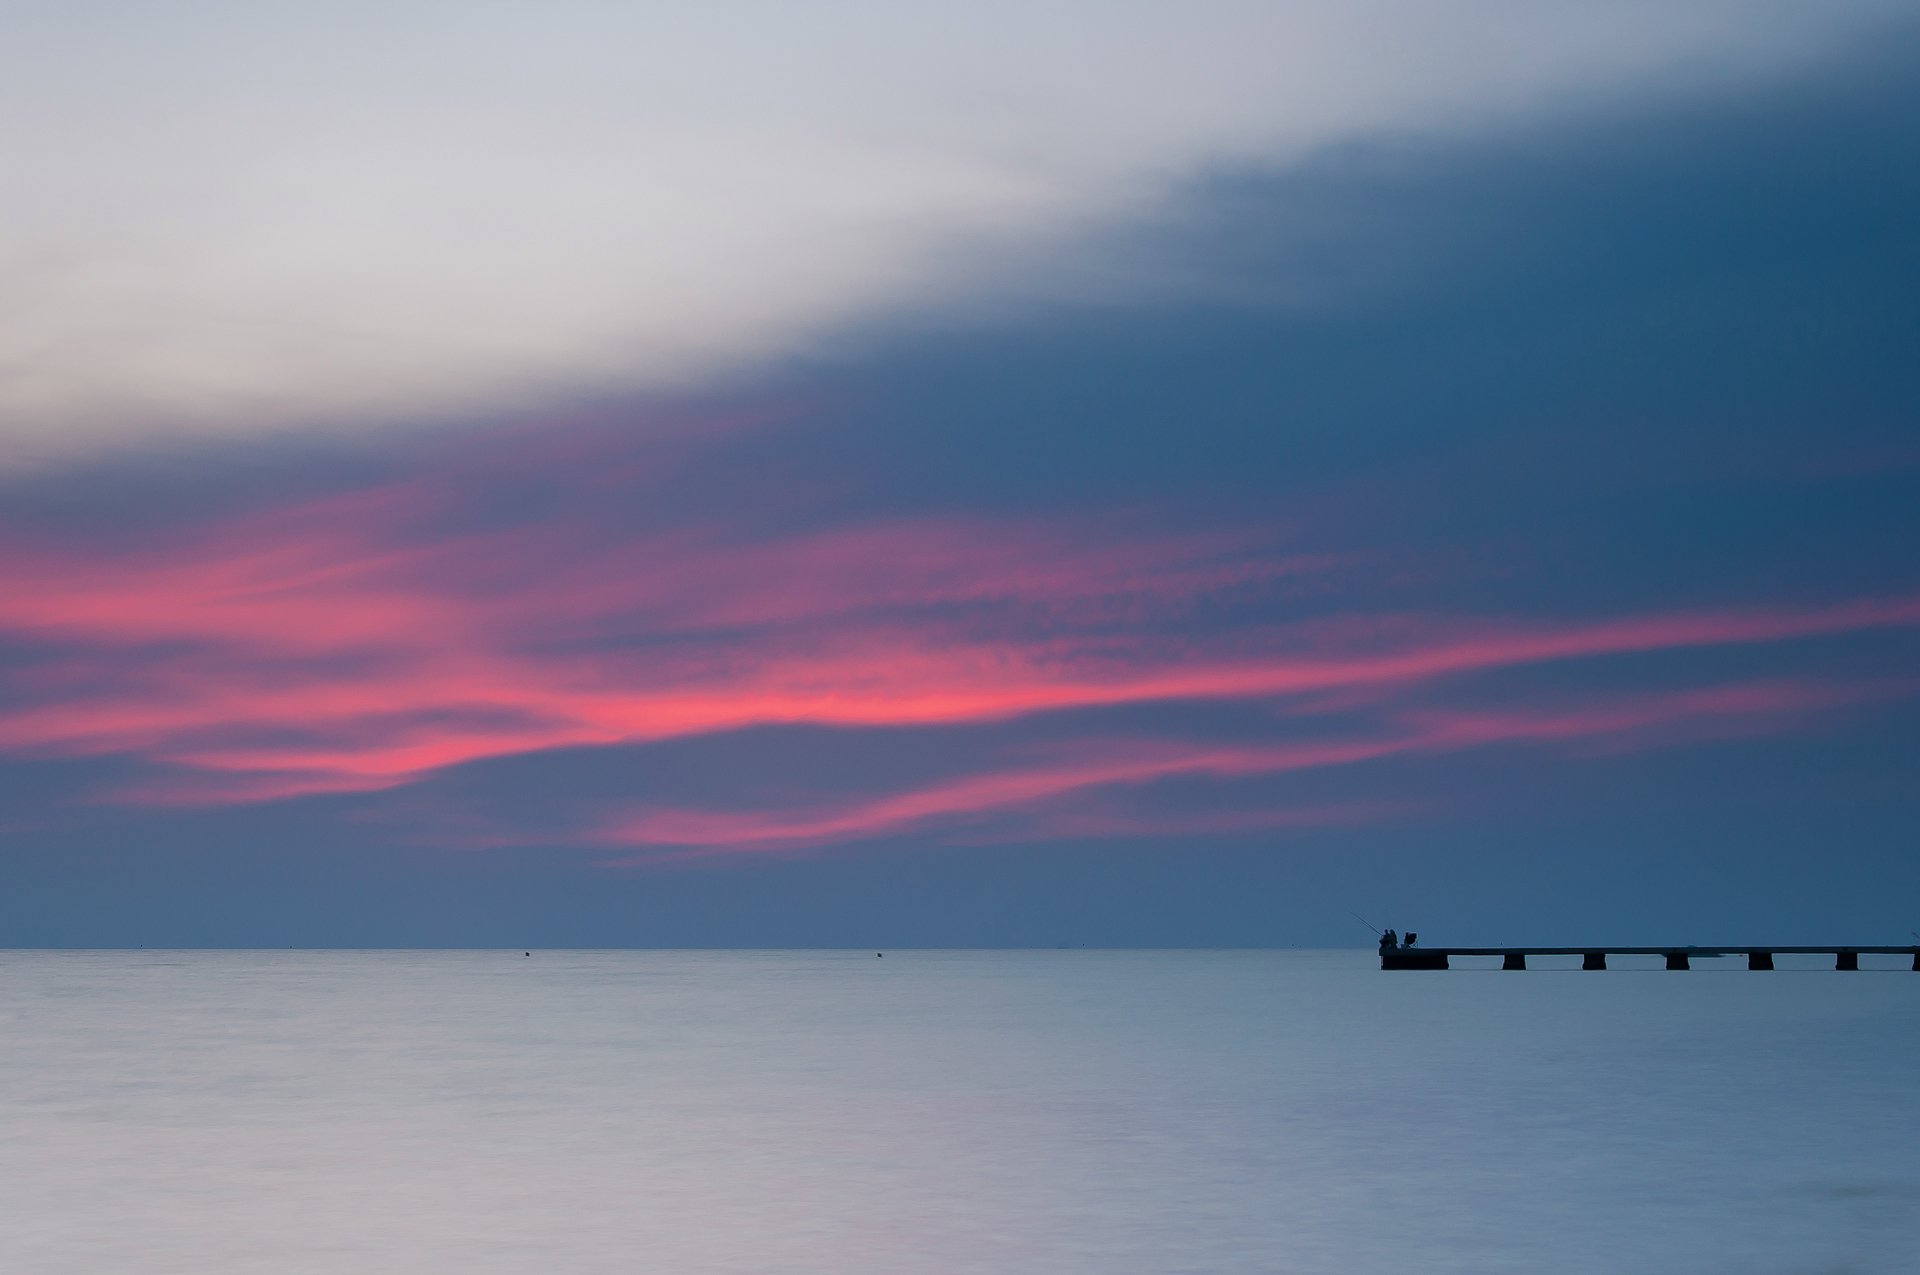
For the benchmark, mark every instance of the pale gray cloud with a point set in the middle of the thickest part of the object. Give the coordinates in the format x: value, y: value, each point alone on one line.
x: 244, y: 217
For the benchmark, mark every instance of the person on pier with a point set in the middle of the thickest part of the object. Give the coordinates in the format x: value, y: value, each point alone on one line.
x: 1388, y: 941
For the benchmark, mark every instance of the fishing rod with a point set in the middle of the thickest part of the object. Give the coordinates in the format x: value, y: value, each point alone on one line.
x: 1375, y: 930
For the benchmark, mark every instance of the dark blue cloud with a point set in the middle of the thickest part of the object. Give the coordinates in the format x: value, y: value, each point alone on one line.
x: 1678, y: 345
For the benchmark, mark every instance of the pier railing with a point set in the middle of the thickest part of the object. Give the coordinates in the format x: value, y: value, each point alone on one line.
x: 1845, y: 956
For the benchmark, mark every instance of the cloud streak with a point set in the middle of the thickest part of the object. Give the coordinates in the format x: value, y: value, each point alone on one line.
x: 1034, y: 790
x: 373, y: 639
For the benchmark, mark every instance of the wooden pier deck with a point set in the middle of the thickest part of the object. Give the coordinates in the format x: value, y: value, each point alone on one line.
x: 1845, y: 956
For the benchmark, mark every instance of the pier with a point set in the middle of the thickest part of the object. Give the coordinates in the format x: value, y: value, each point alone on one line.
x: 1845, y: 956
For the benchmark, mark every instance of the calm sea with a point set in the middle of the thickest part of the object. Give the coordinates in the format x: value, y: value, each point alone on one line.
x: 1019, y: 1112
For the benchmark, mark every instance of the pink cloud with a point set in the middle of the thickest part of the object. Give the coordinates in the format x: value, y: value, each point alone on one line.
x: 365, y: 641
x: 967, y: 797
x: 1037, y: 788
x: 366, y: 727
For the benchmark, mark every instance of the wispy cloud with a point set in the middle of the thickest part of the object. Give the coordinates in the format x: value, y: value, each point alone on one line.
x: 371, y: 639
x: 1034, y: 791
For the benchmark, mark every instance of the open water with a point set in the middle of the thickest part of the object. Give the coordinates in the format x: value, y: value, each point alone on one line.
x: 948, y: 1112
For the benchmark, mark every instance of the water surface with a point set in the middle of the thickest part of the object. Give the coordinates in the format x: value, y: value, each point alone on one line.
x: 1043, y: 1112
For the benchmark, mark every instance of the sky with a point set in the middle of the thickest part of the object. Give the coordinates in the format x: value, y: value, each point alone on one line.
x: 1043, y: 475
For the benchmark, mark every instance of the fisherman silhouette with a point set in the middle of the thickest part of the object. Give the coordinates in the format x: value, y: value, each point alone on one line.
x: 1410, y: 940
x: 1388, y: 940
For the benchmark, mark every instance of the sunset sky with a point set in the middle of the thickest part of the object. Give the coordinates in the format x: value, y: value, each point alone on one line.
x: 591, y: 474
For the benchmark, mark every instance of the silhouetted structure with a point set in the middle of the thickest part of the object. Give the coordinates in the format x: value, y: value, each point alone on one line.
x: 1595, y: 958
